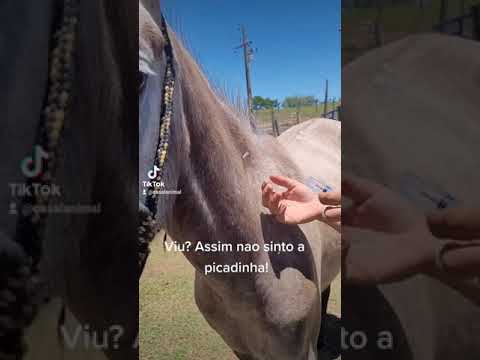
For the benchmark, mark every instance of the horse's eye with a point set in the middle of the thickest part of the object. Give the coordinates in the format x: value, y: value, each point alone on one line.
x: 142, y: 80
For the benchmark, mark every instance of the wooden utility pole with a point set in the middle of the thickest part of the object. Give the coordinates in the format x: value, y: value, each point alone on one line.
x: 325, y: 104
x: 476, y: 22
x: 443, y: 14
x: 247, y: 55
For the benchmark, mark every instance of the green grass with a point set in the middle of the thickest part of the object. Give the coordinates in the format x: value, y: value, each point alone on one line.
x: 171, y: 326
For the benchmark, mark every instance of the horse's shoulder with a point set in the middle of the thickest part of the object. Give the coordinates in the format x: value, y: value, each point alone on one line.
x: 291, y: 300
x: 290, y: 288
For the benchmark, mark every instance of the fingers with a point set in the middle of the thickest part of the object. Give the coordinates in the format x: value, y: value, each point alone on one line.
x: 332, y: 213
x: 294, y: 213
x: 270, y: 199
x: 281, y: 213
x: 330, y: 198
x: 459, y: 217
x: 459, y: 224
x: 274, y: 203
x: 284, y: 181
x: 267, y: 193
x: 358, y: 189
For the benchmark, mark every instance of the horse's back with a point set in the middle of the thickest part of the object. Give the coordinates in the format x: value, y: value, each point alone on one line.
x: 314, y: 146
x: 409, y: 137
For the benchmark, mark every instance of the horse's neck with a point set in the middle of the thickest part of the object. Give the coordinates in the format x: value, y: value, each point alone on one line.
x: 219, y: 202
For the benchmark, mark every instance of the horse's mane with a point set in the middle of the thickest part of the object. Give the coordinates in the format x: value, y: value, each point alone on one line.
x: 107, y: 62
x: 88, y: 256
x: 232, y: 102
x: 99, y: 133
x: 210, y: 133
x: 232, y: 98
x: 211, y: 113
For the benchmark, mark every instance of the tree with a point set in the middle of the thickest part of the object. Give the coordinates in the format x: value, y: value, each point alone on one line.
x: 296, y: 101
x: 261, y: 103
x: 275, y: 104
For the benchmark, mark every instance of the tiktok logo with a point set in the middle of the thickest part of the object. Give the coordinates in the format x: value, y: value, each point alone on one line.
x: 32, y: 166
x: 152, y: 174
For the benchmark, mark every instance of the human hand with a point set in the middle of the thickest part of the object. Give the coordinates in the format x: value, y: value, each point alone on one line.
x: 386, y: 238
x: 372, y: 258
x: 455, y: 223
x: 332, y: 212
x: 375, y: 207
x: 297, y: 205
x: 300, y: 205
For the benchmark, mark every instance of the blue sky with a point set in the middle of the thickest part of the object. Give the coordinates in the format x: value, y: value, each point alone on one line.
x: 298, y: 43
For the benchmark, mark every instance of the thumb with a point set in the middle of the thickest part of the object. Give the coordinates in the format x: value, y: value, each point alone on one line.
x: 330, y: 198
x: 459, y: 223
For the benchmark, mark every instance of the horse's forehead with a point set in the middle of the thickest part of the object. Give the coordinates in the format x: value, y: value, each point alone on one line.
x: 150, y: 39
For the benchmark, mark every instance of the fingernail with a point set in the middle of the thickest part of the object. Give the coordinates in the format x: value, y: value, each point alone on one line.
x: 332, y: 211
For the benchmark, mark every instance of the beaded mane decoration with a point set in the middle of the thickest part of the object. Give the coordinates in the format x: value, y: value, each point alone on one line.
x: 148, y: 226
x: 20, y: 284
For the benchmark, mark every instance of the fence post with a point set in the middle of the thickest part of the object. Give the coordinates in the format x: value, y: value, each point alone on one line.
x: 461, y: 7
x: 443, y: 14
x: 275, y: 130
x: 325, y: 104
x: 476, y: 21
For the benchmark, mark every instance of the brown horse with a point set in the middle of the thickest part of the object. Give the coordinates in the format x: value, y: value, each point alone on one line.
x: 218, y: 164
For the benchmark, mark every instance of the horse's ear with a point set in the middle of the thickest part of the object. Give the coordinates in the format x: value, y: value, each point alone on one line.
x: 153, y: 8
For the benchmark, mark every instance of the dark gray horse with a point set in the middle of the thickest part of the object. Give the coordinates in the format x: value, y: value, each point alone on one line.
x: 89, y: 260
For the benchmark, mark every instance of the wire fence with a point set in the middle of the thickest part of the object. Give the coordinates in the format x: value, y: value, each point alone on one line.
x: 467, y: 25
x: 276, y: 121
